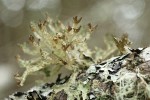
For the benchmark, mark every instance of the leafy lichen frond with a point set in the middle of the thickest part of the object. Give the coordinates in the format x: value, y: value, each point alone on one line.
x: 54, y: 43
x: 122, y: 43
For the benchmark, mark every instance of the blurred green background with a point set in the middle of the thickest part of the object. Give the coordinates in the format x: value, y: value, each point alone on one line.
x: 112, y: 16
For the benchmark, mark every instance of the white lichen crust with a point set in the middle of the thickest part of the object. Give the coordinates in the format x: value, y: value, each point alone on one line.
x: 122, y: 78
x: 125, y: 77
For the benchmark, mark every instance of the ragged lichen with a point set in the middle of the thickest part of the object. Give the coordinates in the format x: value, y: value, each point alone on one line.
x: 112, y: 79
x: 122, y: 43
x: 55, y: 45
x: 121, y: 78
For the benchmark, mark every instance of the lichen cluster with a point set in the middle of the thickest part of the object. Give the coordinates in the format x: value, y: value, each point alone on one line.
x: 53, y: 44
x: 123, y: 77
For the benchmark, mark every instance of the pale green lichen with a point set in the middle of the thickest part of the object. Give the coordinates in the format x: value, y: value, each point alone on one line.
x: 53, y: 43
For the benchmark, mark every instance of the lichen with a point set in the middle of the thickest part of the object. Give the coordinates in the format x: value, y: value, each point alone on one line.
x: 93, y: 76
x: 53, y: 43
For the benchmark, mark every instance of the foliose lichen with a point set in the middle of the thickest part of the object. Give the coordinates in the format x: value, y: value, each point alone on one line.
x: 122, y: 77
